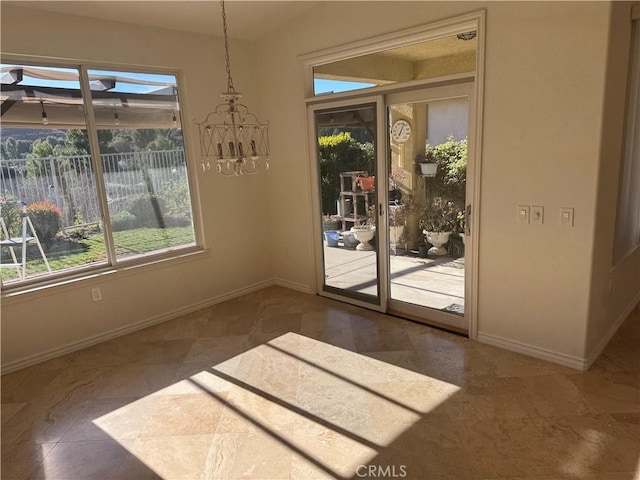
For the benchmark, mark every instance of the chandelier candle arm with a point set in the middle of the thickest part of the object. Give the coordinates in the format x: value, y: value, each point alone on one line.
x: 231, y: 135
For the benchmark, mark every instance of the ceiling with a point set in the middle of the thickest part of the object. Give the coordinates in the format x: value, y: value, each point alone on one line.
x: 246, y: 20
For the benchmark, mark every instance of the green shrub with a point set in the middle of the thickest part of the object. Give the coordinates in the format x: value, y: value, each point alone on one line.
x: 46, y: 219
x: 123, y: 221
x: 148, y: 210
x: 175, y: 195
x: 340, y: 153
x: 11, y: 214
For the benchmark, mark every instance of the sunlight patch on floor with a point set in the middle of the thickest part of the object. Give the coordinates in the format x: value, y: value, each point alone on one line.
x: 296, y: 401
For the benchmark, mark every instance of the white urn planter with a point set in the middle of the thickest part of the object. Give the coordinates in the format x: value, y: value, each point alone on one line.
x: 364, y: 235
x: 438, y: 239
x: 428, y: 169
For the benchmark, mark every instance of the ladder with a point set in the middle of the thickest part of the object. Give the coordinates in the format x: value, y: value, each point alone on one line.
x: 22, y: 242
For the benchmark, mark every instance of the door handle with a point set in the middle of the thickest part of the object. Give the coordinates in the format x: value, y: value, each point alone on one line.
x: 380, y: 210
x: 467, y: 220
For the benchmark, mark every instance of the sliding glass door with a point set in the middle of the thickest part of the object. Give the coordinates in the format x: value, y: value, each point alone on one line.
x: 346, y: 144
x: 428, y: 209
x: 391, y: 200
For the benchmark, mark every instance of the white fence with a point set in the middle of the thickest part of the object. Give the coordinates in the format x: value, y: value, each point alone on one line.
x: 70, y: 183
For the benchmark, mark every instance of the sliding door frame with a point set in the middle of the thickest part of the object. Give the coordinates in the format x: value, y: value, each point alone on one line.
x: 472, y: 21
x: 381, y: 224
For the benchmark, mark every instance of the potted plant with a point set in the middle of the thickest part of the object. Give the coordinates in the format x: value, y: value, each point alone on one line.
x: 366, y: 183
x: 399, y: 213
x: 364, y: 232
x: 428, y: 162
x: 437, y: 222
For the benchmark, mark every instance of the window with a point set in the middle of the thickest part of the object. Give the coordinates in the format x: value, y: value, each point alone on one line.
x: 449, y: 55
x: 627, y: 235
x: 78, y: 152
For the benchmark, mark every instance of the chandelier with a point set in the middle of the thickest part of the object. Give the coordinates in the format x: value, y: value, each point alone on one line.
x: 231, y: 137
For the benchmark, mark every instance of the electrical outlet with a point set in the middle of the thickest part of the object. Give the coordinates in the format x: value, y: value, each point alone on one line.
x: 523, y: 213
x: 96, y: 294
x: 537, y: 214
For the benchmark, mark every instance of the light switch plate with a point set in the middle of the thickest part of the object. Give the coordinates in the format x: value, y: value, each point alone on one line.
x: 523, y: 213
x: 566, y: 216
x: 537, y: 214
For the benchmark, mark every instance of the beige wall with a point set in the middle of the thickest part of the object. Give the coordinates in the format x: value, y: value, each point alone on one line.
x: 547, y: 128
x: 235, y: 213
x: 613, y: 288
x: 543, y: 143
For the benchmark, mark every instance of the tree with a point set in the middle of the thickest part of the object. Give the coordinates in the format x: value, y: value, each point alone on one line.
x: 340, y: 153
x: 9, y: 149
x: 78, y: 142
x: 142, y: 137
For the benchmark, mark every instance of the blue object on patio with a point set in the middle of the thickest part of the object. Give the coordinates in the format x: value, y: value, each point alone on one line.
x: 331, y: 236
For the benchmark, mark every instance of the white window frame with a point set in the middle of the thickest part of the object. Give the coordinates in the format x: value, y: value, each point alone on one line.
x: 113, y: 263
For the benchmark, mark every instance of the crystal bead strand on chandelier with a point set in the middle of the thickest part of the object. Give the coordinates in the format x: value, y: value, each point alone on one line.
x: 231, y: 136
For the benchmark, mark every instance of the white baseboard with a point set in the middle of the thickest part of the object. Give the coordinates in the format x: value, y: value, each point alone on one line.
x: 103, y: 337
x: 536, y: 352
x: 300, y: 287
x: 604, y: 341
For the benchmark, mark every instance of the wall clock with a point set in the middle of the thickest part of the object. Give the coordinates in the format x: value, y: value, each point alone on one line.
x: 401, y: 131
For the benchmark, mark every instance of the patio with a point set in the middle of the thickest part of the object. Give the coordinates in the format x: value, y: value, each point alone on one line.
x: 436, y: 282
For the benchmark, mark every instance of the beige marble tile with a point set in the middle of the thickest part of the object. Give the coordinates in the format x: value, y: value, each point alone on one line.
x: 209, y: 352
x: 429, y: 449
x: 278, y: 384
x: 81, y: 461
x: 247, y: 411
x: 620, y: 355
x: 413, y: 398
x: 378, y: 333
x: 181, y: 457
x: 87, y: 427
x: 136, y: 380
x: 10, y: 409
x: 133, y: 468
x: 507, y: 447
x: 192, y: 378
x: 549, y: 395
x: 325, y: 453
x: 19, y: 460
x: 21, y: 386
x: 161, y: 352
x: 251, y: 455
x: 188, y: 414
x: 608, y: 392
x: 510, y: 364
x: 464, y: 406
x: 230, y: 319
x: 590, y: 444
x: 41, y: 423
x: 188, y: 326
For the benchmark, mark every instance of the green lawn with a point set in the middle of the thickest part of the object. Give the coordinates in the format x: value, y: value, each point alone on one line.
x: 65, y: 253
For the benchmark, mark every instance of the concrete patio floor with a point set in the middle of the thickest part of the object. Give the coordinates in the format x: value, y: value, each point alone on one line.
x: 435, y: 282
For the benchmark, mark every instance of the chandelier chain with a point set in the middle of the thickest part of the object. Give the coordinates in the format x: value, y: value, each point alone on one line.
x: 226, y: 49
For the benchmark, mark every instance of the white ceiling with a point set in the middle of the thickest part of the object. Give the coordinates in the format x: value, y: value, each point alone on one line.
x: 247, y: 20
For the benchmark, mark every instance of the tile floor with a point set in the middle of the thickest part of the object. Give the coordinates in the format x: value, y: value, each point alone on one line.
x: 282, y: 385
